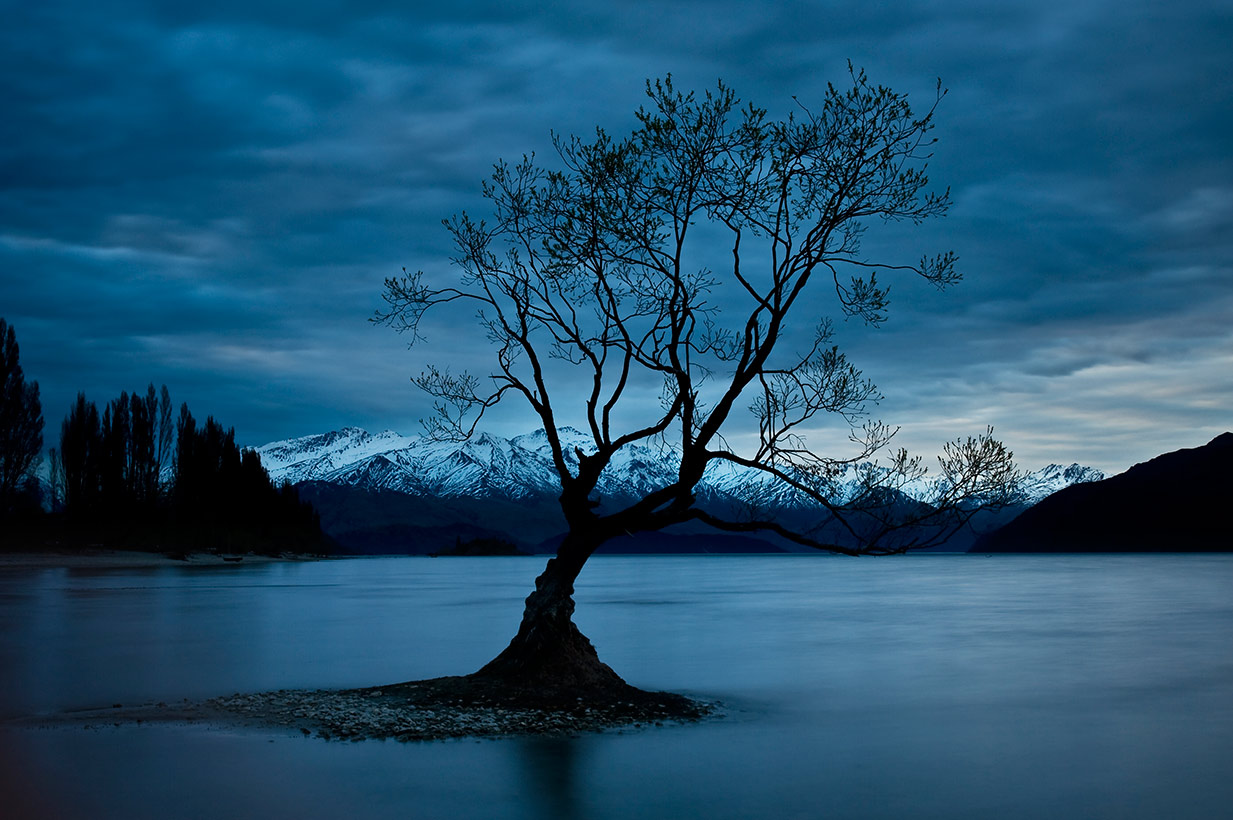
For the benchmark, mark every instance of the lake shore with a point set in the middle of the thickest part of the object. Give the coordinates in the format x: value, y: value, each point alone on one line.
x: 134, y: 559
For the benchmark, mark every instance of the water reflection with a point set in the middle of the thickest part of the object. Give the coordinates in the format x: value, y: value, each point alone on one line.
x: 550, y: 766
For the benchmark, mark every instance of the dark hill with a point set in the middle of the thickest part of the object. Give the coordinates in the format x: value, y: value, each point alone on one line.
x: 385, y: 522
x: 680, y: 543
x: 1177, y: 502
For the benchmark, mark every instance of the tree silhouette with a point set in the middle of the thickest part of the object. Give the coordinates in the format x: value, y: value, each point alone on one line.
x: 114, y: 460
x: 81, y: 452
x: 111, y: 475
x: 596, y: 284
x: 21, y: 423
x: 224, y: 499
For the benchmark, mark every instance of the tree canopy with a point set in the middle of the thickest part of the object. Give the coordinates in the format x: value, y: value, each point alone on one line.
x: 605, y: 262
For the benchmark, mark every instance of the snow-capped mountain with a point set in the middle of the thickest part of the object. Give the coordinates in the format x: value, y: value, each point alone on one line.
x: 394, y: 493
x: 489, y: 466
x: 1048, y: 480
x: 313, y: 457
x: 484, y: 466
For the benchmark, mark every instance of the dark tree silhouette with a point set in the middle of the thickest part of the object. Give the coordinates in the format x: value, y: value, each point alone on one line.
x: 113, y: 461
x: 142, y: 447
x: 165, y: 431
x: 109, y: 475
x: 224, y: 499
x: 602, y: 264
x: 116, y: 476
x: 21, y: 422
x: 81, y: 452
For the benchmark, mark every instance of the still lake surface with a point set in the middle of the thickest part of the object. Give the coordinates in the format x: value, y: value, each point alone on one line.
x: 927, y: 686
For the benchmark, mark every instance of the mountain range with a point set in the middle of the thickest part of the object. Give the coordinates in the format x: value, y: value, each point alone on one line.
x: 1176, y: 502
x: 386, y: 492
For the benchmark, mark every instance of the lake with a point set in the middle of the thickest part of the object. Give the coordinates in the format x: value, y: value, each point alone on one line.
x: 924, y: 686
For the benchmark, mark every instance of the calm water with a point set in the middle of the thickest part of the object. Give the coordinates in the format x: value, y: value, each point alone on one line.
x: 935, y: 686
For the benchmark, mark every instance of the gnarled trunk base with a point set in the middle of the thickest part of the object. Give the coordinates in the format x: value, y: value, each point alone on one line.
x: 549, y: 653
x: 549, y: 680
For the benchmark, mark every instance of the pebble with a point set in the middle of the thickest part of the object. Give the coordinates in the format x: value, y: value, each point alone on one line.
x: 360, y: 715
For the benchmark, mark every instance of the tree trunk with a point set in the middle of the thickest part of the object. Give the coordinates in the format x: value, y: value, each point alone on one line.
x: 549, y: 653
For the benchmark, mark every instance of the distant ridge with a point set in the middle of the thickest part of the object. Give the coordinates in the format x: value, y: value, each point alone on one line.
x: 1176, y: 502
x: 521, y: 468
x: 389, y: 493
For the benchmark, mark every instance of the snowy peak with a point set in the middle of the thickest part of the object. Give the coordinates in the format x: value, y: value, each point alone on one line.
x: 374, y: 472
x: 316, y: 457
x: 489, y: 466
x: 1048, y: 480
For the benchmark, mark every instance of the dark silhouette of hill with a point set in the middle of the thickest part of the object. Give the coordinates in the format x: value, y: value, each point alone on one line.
x: 365, y: 521
x: 679, y: 543
x: 480, y: 546
x: 380, y: 522
x: 1177, y: 502
x: 384, y: 522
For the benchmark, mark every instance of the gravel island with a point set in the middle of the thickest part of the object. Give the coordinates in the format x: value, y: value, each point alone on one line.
x: 437, y: 709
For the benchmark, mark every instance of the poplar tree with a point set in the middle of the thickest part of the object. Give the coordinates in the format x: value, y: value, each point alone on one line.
x: 21, y: 422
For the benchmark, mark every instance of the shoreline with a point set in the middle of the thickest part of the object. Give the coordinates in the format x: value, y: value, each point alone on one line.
x: 102, y: 558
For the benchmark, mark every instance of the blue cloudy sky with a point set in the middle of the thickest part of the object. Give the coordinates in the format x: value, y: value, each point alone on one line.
x: 208, y: 195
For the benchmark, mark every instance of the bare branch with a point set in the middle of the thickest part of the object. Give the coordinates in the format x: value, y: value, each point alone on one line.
x: 597, y: 262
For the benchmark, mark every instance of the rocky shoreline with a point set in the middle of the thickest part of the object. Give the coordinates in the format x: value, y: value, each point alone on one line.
x: 439, y: 709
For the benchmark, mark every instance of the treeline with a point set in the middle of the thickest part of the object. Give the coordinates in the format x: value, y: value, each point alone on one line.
x: 113, y: 463
x: 139, y: 478
x: 213, y: 474
x: 135, y: 476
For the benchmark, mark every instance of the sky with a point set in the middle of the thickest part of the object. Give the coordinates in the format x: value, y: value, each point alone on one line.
x: 210, y: 195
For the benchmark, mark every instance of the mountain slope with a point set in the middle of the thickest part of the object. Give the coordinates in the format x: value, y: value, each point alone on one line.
x: 488, y: 466
x: 392, y: 493
x: 1048, y: 480
x: 1176, y: 502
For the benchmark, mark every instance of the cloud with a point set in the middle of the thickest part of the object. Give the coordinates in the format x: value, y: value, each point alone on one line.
x: 210, y: 195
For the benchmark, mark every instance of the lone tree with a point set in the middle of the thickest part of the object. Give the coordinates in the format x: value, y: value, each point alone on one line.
x: 21, y: 422
x: 601, y: 264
